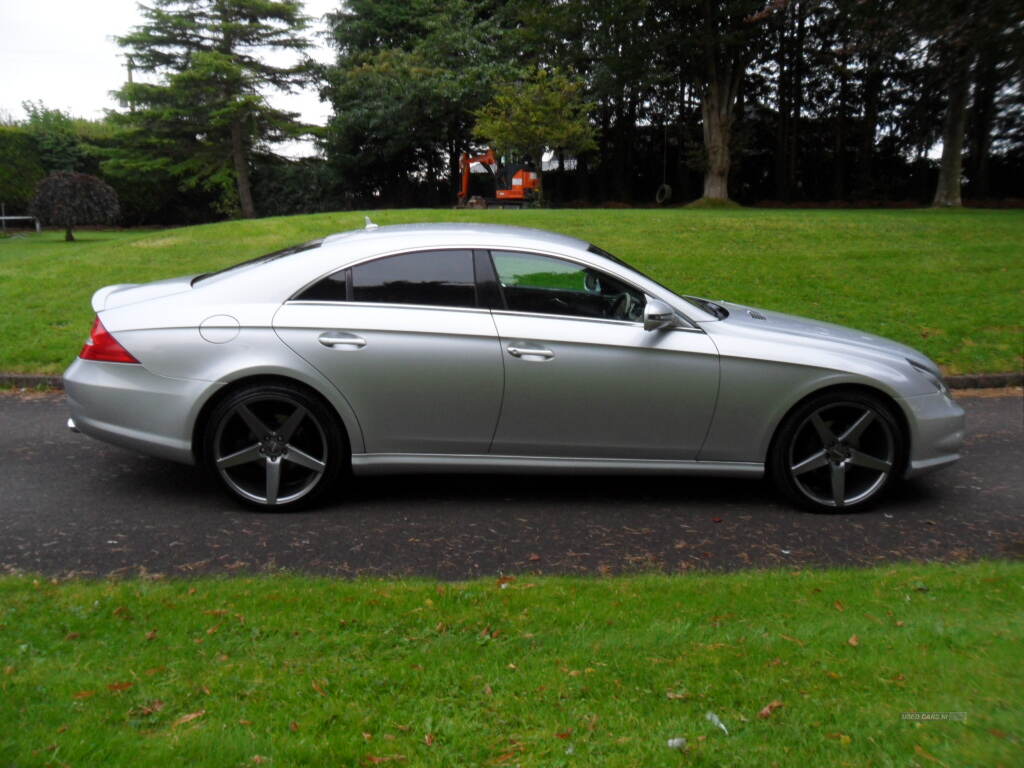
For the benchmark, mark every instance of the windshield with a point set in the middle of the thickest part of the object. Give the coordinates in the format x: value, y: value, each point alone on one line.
x: 289, y: 251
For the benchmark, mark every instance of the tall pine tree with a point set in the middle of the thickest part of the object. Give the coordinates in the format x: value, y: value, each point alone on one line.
x: 206, y: 113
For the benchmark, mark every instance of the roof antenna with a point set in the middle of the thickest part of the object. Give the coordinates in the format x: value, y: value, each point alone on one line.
x: 369, y: 224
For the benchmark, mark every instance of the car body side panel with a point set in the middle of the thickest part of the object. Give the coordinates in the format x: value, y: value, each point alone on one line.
x: 766, y: 372
x: 421, y: 379
x: 252, y: 351
x: 610, y: 390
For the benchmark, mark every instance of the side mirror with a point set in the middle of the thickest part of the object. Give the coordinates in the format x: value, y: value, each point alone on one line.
x: 658, y: 315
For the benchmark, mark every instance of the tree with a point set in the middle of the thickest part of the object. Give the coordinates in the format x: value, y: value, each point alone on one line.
x: 725, y: 37
x: 544, y: 111
x: 207, y: 114
x: 56, y: 138
x: 67, y: 199
x: 408, y: 77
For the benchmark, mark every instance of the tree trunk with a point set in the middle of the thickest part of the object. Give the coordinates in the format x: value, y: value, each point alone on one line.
x: 68, y: 237
x: 716, y: 111
x: 241, y: 162
x: 986, y: 83
x: 947, y: 191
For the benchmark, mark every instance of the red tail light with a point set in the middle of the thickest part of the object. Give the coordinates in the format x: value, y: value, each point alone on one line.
x: 102, y: 346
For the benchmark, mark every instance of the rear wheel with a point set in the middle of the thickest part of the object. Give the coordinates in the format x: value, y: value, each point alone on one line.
x: 841, y: 450
x: 274, y: 446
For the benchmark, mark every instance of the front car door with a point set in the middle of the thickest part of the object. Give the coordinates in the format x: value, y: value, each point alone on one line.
x: 404, y: 339
x: 582, y: 376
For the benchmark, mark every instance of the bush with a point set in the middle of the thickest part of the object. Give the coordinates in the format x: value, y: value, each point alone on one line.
x: 20, y: 168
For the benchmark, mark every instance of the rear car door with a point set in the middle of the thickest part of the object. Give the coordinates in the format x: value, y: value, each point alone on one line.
x: 582, y: 376
x: 403, y: 337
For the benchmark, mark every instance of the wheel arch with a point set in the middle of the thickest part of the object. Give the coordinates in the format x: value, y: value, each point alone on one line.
x: 349, y: 426
x: 898, y: 412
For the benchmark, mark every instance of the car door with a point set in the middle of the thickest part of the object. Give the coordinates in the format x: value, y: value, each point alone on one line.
x: 582, y: 376
x: 404, y: 339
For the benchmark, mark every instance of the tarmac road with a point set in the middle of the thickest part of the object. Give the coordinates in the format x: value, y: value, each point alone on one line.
x: 70, y: 505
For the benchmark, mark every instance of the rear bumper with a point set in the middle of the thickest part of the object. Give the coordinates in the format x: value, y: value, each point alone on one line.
x: 127, y: 405
x: 938, y: 428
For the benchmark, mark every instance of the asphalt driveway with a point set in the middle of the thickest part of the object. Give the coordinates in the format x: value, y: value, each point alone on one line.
x: 70, y: 505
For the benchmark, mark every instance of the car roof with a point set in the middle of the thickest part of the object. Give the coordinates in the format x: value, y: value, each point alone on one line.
x: 468, y: 233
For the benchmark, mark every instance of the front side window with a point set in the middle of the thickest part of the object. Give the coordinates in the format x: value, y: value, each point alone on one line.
x: 546, y: 285
x: 432, y: 278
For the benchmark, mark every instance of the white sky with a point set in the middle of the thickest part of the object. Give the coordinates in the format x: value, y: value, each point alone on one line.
x: 62, y: 52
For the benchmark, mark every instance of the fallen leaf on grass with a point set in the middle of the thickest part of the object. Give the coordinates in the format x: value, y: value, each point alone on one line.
x: 84, y: 695
x: 774, y: 662
x: 72, y: 636
x: 564, y: 734
x: 293, y: 727
x: 839, y: 606
x: 488, y: 691
x: 997, y: 733
x: 769, y: 708
x: 429, y: 739
x: 853, y: 641
x: 377, y: 760
x: 123, y: 686
x: 151, y: 635
x: 792, y: 640
x: 245, y: 722
x: 673, y: 695
x: 260, y: 759
x: 318, y: 686
x: 504, y: 758
x: 367, y: 736
x: 154, y: 706
x: 188, y: 718
x: 842, y: 738
x: 919, y: 750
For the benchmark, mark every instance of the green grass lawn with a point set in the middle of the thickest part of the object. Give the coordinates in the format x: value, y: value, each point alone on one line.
x: 536, y: 672
x: 950, y: 283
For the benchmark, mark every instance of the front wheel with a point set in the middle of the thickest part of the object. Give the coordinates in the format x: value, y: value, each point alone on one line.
x: 838, y: 451
x: 274, y: 447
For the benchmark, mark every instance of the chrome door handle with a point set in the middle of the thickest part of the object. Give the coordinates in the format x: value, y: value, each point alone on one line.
x: 515, y: 351
x: 339, y: 339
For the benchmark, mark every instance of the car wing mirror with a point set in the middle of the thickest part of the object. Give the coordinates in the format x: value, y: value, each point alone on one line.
x: 658, y: 315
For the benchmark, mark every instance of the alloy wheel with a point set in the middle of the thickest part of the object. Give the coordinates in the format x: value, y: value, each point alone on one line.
x: 842, y: 454
x: 270, y: 449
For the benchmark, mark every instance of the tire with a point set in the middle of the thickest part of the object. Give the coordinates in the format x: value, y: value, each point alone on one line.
x: 838, y: 451
x: 275, y: 447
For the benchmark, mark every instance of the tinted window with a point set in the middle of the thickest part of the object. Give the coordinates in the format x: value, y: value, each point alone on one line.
x: 434, y: 278
x: 542, y: 284
x: 331, y: 288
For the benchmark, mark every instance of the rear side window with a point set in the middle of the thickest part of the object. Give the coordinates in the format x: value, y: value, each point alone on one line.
x: 432, y: 278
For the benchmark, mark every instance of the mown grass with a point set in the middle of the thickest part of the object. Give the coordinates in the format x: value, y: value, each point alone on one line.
x: 950, y: 283
x: 533, y: 672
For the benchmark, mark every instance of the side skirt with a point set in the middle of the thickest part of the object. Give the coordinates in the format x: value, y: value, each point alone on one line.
x: 402, y: 463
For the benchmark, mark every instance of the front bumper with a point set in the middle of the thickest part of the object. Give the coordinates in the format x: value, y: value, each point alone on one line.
x: 124, y: 404
x: 937, y: 431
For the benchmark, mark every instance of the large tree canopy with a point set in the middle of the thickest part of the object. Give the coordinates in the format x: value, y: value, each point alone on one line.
x: 206, y: 113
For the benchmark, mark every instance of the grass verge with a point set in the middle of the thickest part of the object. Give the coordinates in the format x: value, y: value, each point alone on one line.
x: 803, y: 668
x: 950, y: 283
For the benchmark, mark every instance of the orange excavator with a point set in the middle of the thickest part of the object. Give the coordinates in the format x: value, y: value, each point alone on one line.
x: 515, y: 184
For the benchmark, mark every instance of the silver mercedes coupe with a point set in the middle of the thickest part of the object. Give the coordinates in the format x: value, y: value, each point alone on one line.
x: 479, y: 348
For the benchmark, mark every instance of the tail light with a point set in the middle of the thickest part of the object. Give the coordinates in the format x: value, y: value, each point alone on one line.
x: 102, y: 346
